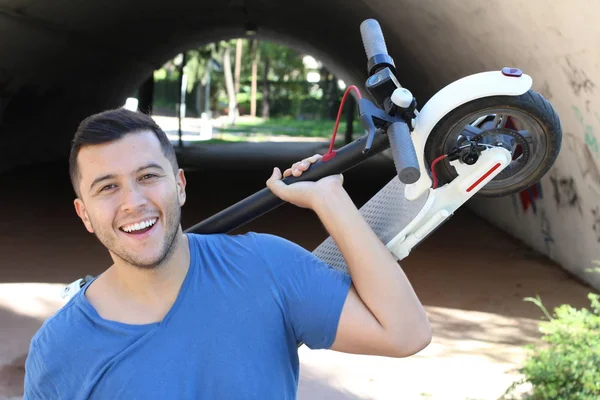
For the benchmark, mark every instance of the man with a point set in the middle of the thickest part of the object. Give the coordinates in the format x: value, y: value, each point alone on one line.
x: 186, y: 316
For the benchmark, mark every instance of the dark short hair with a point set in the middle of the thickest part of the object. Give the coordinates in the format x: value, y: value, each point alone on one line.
x: 111, y: 125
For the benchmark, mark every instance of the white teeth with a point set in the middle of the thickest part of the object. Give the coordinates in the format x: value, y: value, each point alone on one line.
x: 140, y: 225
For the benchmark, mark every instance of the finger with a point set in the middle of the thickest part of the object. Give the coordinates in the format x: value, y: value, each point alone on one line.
x: 314, y: 158
x: 303, y: 165
x: 310, y: 160
x: 307, y: 162
x: 291, y: 170
x: 276, y: 175
x: 299, y: 167
x: 276, y: 185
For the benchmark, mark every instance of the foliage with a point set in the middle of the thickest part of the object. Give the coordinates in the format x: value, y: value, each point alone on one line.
x: 567, y: 365
x: 289, y: 92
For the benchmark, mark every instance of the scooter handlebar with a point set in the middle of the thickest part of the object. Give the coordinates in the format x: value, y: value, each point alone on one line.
x: 372, y: 38
x: 403, y: 152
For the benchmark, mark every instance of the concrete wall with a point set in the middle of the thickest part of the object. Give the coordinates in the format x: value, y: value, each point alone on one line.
x: 561, y: 216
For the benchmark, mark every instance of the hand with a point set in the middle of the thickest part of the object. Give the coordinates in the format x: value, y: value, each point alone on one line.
x: 303, y: 194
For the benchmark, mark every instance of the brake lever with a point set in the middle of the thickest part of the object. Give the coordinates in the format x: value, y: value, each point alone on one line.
x: 367, y: 123
x: 372, y: 118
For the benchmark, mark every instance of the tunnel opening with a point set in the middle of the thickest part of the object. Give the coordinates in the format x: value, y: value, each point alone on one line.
x: 201, y: 82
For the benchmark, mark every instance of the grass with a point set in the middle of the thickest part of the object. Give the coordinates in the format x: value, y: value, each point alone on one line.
x: 222, y: 141
x: 288, y: 126
x: 231, y: 137
x: 224, y: 138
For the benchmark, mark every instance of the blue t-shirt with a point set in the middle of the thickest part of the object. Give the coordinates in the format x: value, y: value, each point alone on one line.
x: 232, y: 333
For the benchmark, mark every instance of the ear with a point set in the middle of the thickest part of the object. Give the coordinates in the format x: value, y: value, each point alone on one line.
x: 181, y: 183
x: 82, y: 213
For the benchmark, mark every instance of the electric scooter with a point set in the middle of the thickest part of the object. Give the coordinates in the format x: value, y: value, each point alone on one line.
x: 487, y: 134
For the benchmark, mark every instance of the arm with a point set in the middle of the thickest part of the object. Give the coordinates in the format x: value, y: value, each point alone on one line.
x: 382, y: 314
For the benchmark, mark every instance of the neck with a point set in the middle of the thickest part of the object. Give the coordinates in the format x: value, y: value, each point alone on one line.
x: 154, y: 285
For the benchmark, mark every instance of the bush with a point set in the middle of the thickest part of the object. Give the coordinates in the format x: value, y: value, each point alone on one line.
x: 567, y: 365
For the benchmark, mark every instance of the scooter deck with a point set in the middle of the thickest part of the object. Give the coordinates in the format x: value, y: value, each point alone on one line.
x: 387, y: 213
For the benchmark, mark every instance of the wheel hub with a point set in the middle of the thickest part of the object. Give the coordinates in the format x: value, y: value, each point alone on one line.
x: 470, y: 148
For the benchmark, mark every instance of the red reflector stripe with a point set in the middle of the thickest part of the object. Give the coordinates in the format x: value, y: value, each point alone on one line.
x: 495, y: 167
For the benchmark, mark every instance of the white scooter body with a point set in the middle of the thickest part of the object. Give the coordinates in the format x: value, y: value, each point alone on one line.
x: 443, y: 201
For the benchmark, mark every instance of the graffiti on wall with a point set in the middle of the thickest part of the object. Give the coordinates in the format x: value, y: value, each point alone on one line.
x: 585, y: 160
x: 586, y: 151
x: 530, y: 196
x: 592, y: 143
x: 565, y: 191
x: 578, y: 79
x: 596, y: 222
x: 546, y: 230
x: 590, y: 138
x: 588, y: 167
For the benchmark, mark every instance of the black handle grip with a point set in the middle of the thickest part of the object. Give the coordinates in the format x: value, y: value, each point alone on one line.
x: 372, y: 38
x: 403, y: 151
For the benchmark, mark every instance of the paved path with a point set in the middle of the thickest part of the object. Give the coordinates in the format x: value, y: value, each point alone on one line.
x: 474, y: 299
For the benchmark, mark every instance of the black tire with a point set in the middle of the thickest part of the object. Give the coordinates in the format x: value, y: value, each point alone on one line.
x: 531, y: 104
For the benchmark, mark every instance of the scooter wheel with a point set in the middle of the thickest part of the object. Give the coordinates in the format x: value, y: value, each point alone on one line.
x: 526, y: 125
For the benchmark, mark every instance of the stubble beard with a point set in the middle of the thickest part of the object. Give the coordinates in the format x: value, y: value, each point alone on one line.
x: 172, y: 220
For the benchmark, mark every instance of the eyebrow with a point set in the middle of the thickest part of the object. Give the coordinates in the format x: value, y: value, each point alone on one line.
x: 111, y: 176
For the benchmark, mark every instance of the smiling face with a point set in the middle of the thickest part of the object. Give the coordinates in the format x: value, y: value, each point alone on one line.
x: 131, y: 199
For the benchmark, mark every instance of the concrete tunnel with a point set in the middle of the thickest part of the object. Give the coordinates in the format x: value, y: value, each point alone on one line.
x: 60, y: 62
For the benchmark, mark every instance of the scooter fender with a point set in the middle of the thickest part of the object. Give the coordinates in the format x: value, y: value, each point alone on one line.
x: 457, y: 93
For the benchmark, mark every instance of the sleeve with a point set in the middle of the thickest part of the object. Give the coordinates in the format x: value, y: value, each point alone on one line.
x: 38, y: 383
x: 312, y: 292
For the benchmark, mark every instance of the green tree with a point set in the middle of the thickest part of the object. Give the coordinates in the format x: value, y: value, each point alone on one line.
x: 242, y: 75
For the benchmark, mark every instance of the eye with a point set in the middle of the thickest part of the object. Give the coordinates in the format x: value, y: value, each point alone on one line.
x: 107, y: 187
x: 148, y: 176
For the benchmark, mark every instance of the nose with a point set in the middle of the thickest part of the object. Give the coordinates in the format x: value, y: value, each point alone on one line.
x: 133, y: 199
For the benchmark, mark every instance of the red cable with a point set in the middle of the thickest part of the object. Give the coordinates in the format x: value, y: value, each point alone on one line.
x: 440, y: 158
x: 331, y: 153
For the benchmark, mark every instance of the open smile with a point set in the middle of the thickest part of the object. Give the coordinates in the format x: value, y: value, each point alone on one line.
x: 139, y: 228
